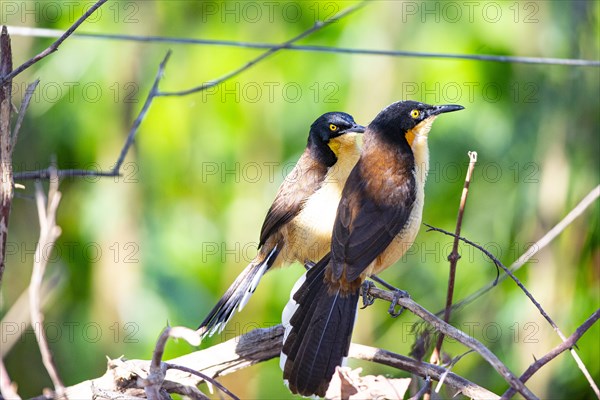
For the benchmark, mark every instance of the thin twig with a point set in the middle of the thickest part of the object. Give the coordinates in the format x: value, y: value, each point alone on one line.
x: 454, y: 256
x: 49, y: 232
x: 54, y: 46
x: 116, y: 170
x: 566, y: 345
x: 42, y: 32
x: 498, y: 263
x: 272, y: 50
x: 22, y: 110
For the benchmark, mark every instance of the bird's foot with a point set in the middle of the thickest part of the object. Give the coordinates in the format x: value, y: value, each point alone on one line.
x: 367, y: 298
x: 398, y: 294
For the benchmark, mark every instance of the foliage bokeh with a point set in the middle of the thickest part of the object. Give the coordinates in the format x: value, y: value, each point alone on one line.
x: 163, y: 242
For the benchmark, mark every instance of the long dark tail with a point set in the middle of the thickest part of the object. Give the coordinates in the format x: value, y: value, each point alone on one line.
x: 318, y: 325
x: 236, y: 296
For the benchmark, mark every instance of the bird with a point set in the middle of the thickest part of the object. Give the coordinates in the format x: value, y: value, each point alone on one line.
x: 298, y: 224
x: 377, y: 220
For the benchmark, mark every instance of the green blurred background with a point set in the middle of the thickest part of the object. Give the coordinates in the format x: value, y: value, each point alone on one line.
x: 163, y: 242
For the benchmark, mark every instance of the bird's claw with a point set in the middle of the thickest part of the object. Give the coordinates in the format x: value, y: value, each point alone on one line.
x: 398, y: 294
x: 367, y: 298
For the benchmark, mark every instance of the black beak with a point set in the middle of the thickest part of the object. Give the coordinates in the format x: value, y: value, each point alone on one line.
x: 355, y: 128
x: 436, y: 110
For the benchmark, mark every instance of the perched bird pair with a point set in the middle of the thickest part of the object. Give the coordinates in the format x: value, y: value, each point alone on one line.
x: 377, y: 217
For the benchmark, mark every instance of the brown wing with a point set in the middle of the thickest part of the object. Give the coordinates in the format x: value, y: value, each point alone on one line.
x: 368, y: 221
x: 305, y: 179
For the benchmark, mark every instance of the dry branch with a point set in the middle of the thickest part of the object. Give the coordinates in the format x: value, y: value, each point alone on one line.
x: 264, y: 344
x: 458, y: 335
x: 49, y: 233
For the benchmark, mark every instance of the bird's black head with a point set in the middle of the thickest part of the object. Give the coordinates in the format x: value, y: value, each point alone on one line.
x: 408, y: 119
x: 331, y: 125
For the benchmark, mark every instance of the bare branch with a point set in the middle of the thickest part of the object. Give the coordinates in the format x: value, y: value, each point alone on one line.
x: 116, y: 170
x: 49, y: 232
x: 4, y: 77
x: 456, y: 334
x: 565, y: 345
x: 43, y: 32
x: 578, y: 360
x: 272, y: 50
x: 420, y: 368
x: 454, y: 256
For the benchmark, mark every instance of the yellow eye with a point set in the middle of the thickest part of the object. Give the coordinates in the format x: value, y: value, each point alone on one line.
x: 415, y: 114
x: 333, y: 128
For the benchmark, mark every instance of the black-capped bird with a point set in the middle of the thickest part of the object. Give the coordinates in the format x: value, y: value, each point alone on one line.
x: 298, y: 225
x: 377, y: 220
